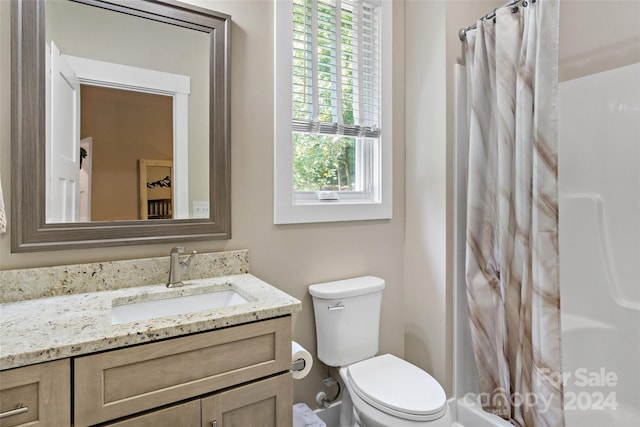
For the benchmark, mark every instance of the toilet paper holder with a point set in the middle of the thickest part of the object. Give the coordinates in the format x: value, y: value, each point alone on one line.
x: 301, y: 361
x: 298, y: 365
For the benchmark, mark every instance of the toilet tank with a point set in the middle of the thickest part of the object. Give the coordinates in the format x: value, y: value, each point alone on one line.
x: 347, y: 314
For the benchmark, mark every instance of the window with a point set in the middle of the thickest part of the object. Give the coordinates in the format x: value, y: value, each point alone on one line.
x: 332, y: 162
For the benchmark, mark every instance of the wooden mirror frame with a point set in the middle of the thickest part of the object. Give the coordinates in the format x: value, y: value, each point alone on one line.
x: 29, y: 231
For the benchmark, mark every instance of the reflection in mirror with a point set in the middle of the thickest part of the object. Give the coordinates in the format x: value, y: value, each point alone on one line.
x: 124, y: 127
x: 140, y: 93
x: 108, y: 96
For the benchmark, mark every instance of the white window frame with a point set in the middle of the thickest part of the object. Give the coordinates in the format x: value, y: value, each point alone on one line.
x: 290, y: 206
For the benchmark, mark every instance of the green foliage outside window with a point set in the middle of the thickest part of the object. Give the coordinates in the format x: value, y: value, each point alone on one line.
x: 322, y: 162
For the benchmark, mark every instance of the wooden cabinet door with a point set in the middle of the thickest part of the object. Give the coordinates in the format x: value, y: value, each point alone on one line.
x: 119, y: 383
x: 185, y: 415
x: 37, y: 395
x: 266, y: 403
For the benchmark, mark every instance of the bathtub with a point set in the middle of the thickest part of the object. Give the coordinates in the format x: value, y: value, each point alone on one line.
x: 470, y: 414
x: 466, y: 412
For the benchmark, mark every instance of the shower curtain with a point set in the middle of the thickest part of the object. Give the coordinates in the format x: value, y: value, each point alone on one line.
x: 512, y: 213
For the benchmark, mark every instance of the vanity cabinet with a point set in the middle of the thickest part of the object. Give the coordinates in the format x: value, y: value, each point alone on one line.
x: 265, y: 403
x: 36, y: 395
x: 187, y: 414
x: 120, y: 383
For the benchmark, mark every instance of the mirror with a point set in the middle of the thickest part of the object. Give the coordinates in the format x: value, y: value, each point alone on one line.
x: 191, y: 201
x: 141, y: 92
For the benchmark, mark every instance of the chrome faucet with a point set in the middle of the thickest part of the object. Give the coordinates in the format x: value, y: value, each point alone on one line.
x: 177, y: 267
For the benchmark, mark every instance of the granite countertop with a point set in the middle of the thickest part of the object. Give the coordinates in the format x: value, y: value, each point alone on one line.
x: 45, y: 329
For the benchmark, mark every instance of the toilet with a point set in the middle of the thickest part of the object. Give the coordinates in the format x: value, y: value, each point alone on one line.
x: 381, y: 390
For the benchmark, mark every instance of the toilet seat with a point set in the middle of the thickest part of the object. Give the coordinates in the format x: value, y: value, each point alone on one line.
x: 398, y: 388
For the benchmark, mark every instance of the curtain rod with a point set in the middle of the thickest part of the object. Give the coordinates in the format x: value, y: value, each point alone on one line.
x: 463, y: 31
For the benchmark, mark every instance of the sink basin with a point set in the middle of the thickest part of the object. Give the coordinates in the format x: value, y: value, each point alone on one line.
x: 183, y: 304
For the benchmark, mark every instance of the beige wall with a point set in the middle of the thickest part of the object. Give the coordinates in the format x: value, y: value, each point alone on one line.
x: 432, y: 47
x: 426, y: 207
x: 596, y: 36
x: 289, y: 257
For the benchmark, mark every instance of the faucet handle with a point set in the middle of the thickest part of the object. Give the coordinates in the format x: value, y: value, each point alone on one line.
x: 177, y: 250
x: 188, y: 260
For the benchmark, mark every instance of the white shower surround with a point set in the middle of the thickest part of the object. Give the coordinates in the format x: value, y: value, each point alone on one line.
x: 599, y: 183
x: 599, y: 187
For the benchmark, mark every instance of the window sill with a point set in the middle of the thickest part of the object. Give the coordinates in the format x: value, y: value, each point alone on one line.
x: 331, y: 211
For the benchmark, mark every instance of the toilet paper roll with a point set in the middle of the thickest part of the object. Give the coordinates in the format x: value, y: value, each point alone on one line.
x: 299, y: 352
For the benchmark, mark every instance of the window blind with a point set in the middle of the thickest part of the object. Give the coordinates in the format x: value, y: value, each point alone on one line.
x: 336, y: 67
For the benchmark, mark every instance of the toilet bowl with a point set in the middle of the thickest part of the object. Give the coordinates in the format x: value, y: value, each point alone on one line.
x: 380, y: 390
x: 386, y: 391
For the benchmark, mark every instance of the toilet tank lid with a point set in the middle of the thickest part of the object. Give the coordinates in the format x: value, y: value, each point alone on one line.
x: 347, y: 288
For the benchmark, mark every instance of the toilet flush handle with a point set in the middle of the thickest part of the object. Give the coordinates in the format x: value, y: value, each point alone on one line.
x: 338, y: 306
